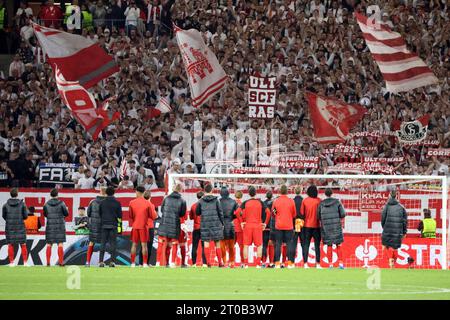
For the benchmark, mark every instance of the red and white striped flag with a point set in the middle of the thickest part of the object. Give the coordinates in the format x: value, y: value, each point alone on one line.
x: 206, y: 75
x: 402, y: 70
x: 78, y: 58
x: 163, y: 106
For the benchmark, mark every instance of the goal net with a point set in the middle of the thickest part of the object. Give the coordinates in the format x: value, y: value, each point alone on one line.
x: 363, y: 198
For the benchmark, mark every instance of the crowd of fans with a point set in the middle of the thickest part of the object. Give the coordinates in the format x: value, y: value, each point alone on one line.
x: 308, y: 45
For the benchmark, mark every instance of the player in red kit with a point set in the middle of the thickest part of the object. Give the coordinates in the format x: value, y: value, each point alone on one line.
x: 150, y: 225
x: 196, y: 233
x: 255, y: 217
x: 284, y: 211
x: 239, y: 235
x: 139, y: 213
x: 311, y: 228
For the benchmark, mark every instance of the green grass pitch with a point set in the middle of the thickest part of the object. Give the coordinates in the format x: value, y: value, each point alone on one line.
x: 215, y: 283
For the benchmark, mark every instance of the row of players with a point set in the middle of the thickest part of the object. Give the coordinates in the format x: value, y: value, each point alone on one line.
x: 272, y: 225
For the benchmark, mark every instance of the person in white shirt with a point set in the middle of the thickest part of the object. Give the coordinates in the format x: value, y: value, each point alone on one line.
x: 126, y: 183
x: 86, y: 182
x: 225, y: 150
x: 149, y: 183
x: 132, y: 14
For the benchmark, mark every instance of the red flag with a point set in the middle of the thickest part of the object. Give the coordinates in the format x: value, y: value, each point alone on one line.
x: 163, y: 106
x: 83, y: 106
x: 78, y: 58
x: 332, y: 119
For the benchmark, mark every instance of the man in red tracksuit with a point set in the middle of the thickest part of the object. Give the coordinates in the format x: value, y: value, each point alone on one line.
x: 196, y: 234
x: 255, y: 217
x: 284, y: 211
x: 140, y: 212
x: 238, y: 234
x: 311, y: 228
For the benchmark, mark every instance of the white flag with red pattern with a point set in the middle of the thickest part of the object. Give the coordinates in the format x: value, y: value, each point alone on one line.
x: 332, y: 119
x: 206, y: 75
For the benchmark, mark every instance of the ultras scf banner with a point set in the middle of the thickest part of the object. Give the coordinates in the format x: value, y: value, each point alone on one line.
x: 262, y: 95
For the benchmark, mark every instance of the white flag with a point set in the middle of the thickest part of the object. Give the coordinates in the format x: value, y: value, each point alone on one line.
x: 206, y: 75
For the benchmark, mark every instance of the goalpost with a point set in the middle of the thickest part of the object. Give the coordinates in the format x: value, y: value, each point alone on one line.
x: 363, y: 197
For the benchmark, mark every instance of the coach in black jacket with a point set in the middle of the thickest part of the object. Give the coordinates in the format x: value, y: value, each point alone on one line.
x: 110, y: 212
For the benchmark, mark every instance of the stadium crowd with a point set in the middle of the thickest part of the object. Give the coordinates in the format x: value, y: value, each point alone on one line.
x: 308, y: 45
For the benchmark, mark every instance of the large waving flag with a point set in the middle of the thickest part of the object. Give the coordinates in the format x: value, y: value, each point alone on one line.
x: 206, y: 75
x: 402, y: 70
x: 78, y: 58
x: 163, y: 106
x: 332, y: 119
x: 83, y: 106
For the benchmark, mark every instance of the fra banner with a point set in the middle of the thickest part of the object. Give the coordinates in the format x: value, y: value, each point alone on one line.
x: 261, y: 98
x: 60, y: 173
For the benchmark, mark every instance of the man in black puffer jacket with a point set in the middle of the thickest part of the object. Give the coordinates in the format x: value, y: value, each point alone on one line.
x: 394, y: 223
x: 14, y: 212
x: 95, y: 224
x: 55, y: 229
x: 212, y: 223
x: 110, y: 212
x: 172, y: 209
x: 229, y: 206
x: 330, y: 213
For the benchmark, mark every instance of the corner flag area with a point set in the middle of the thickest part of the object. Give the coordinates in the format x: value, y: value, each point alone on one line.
x: 218, y: 284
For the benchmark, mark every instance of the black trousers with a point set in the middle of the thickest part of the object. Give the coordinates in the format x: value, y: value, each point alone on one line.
x: 283, y: 236
x: 266, y: 238
x: 196, y: 238
x: 308, y: 234
x: 151, y: 236
x: 109, y: 236
x: 295, y: 238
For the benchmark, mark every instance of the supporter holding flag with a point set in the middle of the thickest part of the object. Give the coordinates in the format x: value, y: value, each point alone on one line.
x: 55, y: 211
x: 311, y: 227
x: 95, y: 224
x: 14, y: 212
x: 173, y: 208
x: 394, y: 223
x: 212, y: 224
x: 255, y: 217
x: 330, y: 214
x: 196, y: 233
x: 140, y: 212
x: 229, y: 207
x: 284, y: 211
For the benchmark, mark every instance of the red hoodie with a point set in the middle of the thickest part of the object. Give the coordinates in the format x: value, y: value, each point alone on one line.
x: 140, y: 212
x: 193, y: 216
x: 309, y: 211
x: 285, y: 213
x: 252, y: 213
